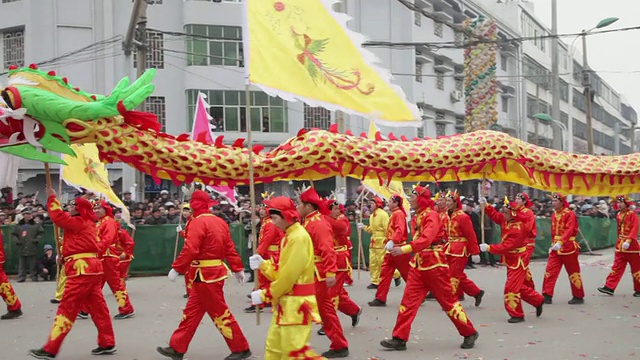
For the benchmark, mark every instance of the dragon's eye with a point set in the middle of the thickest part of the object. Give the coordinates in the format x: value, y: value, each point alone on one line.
x: 6, y: 98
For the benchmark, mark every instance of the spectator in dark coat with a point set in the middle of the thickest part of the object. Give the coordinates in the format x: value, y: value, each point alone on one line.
x: 47, y: 267
x: 27, y: 235
x: 156, y: 218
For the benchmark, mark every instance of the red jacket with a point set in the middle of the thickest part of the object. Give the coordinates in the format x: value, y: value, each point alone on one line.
x: 322, y: 238
x: 530, y: 226
x: 514, y: 244
x: 627, y: 231
x: 341, y: 228
x: 269, y: 240
x: 564, y: 229
x: 444, y: 223
x: 80, y: 249
x: 207, y: 245
x: 461, y: 235
x: 1, y: 250
x: 397, y: 229
x: 425, y: 244
x: 125, y: 245
x: 108, y: 237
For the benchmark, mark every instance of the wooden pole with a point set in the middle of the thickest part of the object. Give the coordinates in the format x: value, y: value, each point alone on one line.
x: 360, y: 247
x: 480, y: 193
x: 252, y: 191
x: 175, y: 248
x: 56, y: 230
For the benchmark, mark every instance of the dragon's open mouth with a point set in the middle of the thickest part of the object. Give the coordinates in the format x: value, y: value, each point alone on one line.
x: 17, y: 128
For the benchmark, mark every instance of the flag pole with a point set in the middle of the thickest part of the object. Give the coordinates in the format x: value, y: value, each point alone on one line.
x: 252, y: 191
x: 56, y: 230
x: 175, y: 248
x: 360, y: 248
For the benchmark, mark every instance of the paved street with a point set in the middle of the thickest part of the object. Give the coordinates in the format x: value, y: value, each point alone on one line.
x: 604, y: 328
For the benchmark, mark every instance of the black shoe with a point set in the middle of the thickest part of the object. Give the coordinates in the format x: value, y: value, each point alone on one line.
x: 576, y: 301
x: 397, y: 281
x: 547, y: 299
x: 250, y: 310
x: 539, y: 310
x: 515, y: 320
x: 83, y: 315
x: 321, y: 332
x: 355, y: 319
x: 606, y: 290
x: 372, y: 286
x: 479, y: 298
x: 41, y: 354
x: 239, y: 355
x: 170, y: 353
x: 10, y: 315
x: 104, y: 350
x: 54, y: 301
x: 334, y: 354
x: 185, y: 296
x: 636, y: 294
x: 125, y: 316
x: 470, y: 341
x: 394, y: 344
x: 377, y: 303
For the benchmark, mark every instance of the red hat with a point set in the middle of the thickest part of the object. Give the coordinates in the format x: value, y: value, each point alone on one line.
x: 560, y: 197
x: 379, y: 202
x: 424, y: 197
x: 284, y: 207
x: 626, y: 199
x: 512, y: 207
x: 398, y: 199
x: 201, y: 202
x: 524, y: 197
x: 311, y: 196
x: 105, y: 205
x: 84, y: 208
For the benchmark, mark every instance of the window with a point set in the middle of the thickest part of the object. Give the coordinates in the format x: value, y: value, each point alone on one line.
x: 441, y: 129
x: 228, y: 110
x: 154, y: 2
x: 564, y: 91
x: 459, y: 38
x: 421, y: 132
x: 417, y: 18
x: 214, y: 45
x: 316, y: 117
x: 579, y: 100
x: 8, y: 1
x: 505, y: 105
x: 439, y: 80
x: 13, y: 47
x: 536, y: 73
x: 459, y: 84
x: 579, y: 129
x: 564, y: 118
x: 155, y: 51
x: 531, y: 29
x: 418, y: 72
x: 155, y: 105
x: 504, y: 62
x: 438, y: 29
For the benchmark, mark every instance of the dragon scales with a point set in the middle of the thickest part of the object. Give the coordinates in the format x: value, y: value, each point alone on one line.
x: 41, y: 110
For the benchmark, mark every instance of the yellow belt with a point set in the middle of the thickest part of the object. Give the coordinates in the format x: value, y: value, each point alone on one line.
x: 342, y: 248
x: 273, y: 248
x: 518, y: 250
x: 382, y: 233
x: 109, y: 254
x: 81, y: 256
x: 206, y: 263
x: 457, y: 239
x: 573, y: 238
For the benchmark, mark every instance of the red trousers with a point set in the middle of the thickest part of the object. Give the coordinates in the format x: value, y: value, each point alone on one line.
x: 619, y: 265
x: 8, y: 294
x: 188, y: 283
x: 208, y: 298
x: 349, y: 280
x: 82, y: 290
x: 117, y: 286
x: 460, y: 283
x: 345, y: 304
x: 328, y: 314
x: 528, y: 280
x: 571, y: 265
x: 389, y: 266
x: 419, y: 283
x: 124, y: 269
x: 516, y: 290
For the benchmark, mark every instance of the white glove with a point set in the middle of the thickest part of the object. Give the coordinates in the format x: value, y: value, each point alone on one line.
x: 556, y: 247
x: 475, y: 258
x: 484, y: 247
x: 256, y: 297
x: 482, y: 201
x: 255, y: 261
x: 172, y: 275
x: 240, y: 276
x: 389, y: 245
x: 178, y: 228
x: 625, y: 245
x: 360, y: 226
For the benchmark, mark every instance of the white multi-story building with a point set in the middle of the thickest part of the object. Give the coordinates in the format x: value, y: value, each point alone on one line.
x: 196, y: 45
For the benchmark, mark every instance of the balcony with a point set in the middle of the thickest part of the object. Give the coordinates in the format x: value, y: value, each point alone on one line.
x: 440, y: 65
x: 423, y: 4
x: 423, y: 57
x: 506, y: 90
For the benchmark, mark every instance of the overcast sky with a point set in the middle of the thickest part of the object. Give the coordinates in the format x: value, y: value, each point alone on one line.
x: 616, y: 56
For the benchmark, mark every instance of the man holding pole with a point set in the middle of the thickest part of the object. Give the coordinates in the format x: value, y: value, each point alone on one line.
x: 524, y: 204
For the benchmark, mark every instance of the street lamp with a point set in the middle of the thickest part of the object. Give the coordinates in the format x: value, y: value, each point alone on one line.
x: 565, y: 132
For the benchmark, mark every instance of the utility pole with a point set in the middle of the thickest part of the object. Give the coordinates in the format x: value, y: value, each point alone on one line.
x: 535, y: 124
x: 555, y: 77
x: 341, y: 182
x: 586, y: 82
x: 141, y: 66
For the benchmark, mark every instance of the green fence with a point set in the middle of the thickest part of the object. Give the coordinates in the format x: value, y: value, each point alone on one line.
x: 155, y: 244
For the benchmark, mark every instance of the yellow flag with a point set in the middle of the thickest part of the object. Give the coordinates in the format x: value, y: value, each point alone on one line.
x: 387, y: 190
x: 87, y: 171
x: 302, y: 50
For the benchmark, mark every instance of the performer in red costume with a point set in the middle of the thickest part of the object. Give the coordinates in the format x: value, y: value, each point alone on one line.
x: 126, y: 247
x: 84, y: 277
x: 524, y: 205
x: 111, y: 249
x: 14, y: 308
x: 462, y: 242
x: 627, y: 248
x: 564, y: 251
x: 513, y: 249
x: 341, y: 228
x: 397, y: 235
x: 440, y: 206
x: 429, y: 271
x: 268, y: 247
x: 312, y: 208
x: 207, y: 245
